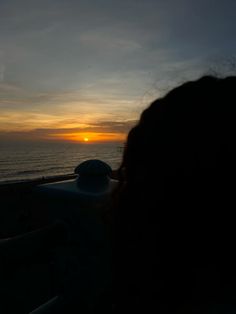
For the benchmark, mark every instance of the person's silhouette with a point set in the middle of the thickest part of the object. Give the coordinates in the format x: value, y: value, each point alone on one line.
x: 174, y: 207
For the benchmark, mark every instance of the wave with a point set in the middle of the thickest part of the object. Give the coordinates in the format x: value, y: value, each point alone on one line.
x: 28, y: 172
x: 22, y: 162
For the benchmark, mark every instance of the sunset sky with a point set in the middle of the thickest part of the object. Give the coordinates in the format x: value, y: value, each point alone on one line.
x: 76, y: 69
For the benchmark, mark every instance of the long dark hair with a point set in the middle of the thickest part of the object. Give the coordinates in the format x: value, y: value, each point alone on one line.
x: 178, y: 166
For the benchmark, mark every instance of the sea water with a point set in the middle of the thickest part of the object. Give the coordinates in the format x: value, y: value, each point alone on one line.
x: 22, y: 161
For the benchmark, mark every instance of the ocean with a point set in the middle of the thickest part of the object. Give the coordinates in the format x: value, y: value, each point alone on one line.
x: 23, y: 161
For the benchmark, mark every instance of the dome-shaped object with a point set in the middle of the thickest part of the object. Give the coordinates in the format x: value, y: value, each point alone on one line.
x: 93, y: 167
x: 93, y: 177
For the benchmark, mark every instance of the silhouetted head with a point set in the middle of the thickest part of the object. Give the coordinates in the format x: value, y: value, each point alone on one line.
x: 176, y: 193
x: 190, y: 130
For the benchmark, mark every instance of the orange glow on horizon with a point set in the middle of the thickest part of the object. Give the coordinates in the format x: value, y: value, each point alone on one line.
x: 90, y: 137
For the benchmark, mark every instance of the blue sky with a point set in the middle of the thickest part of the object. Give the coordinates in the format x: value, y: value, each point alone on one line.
x: 90, y: 66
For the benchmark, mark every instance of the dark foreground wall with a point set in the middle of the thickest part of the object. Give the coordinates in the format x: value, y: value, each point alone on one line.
x: 71, y: 262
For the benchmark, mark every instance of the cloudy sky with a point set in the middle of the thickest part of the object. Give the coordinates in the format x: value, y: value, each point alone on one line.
x: 71, y: 69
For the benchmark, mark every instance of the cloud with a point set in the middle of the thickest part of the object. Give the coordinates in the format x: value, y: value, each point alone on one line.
x: 67, y: 63
x: 85, y: 105
x: 107, y: 42
x: 2, y: 72
x: 104, y: 130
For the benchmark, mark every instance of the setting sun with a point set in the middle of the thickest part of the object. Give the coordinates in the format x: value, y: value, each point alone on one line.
x: 91, y: 137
